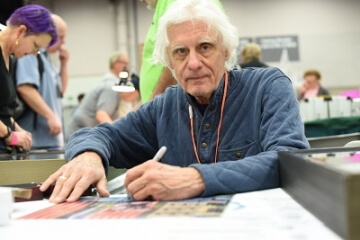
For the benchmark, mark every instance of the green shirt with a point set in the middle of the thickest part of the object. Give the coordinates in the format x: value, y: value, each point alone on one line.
x: 150, y: 73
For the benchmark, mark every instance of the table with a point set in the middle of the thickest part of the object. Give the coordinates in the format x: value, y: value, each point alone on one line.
x: 269, y: 214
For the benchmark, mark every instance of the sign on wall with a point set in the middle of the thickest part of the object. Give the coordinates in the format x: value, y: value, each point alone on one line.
x: 275, y: 48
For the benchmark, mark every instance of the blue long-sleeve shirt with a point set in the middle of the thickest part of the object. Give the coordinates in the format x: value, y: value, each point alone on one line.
x: 261, y: 117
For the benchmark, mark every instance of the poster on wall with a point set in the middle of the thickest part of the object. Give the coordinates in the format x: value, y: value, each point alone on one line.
x: 279, y: 48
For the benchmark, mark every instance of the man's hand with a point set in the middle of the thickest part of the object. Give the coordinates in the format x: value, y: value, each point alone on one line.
x: 75, y: 177
x: 54, y: 125
x: 64, y: 54
x: 163, y: 182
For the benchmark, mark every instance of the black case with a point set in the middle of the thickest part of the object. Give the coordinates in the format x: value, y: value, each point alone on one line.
x: 327, y: 191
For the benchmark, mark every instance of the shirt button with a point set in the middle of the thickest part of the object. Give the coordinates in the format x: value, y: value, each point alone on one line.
x: 207, y: 125
x: 204, y: 145
x: 238, y: 154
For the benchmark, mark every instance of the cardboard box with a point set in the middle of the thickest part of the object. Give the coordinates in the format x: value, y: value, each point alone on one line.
x: 35, y: 168
x: 327, y: 183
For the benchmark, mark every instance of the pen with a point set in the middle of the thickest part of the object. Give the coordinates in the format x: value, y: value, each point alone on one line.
x: 116, y: 185
x: 160, y: 154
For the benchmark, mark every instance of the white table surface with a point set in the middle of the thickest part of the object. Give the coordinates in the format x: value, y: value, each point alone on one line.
x: 270, y: 214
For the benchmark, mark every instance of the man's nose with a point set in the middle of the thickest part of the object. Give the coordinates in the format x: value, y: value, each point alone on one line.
x: 194, y: 61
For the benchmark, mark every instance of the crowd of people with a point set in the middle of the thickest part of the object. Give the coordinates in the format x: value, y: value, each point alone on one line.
x: 222, y: 125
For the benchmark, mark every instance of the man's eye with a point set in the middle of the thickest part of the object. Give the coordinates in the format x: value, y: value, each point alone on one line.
x: 181, y: 51
x: 205, y: 47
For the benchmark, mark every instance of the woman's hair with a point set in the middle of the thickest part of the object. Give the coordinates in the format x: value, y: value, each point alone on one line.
x: 196, y: 10
x: 250, y: 52
x: 36, y: 18
x: 313, y: 72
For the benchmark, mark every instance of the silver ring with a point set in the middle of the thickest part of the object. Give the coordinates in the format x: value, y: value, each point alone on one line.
x: 63, y: 178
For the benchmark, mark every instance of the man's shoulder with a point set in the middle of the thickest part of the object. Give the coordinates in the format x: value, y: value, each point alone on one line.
x: 28, y: 59
x: 26, y: 64
x: 171, y: 95
x: 255, y: 77
x: 256, y: 72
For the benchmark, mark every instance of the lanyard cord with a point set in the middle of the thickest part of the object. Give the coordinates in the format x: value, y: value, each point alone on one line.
x: 219, y: 125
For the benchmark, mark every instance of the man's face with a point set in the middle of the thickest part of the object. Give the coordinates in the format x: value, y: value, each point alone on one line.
x: 120, y: 64
x: 61, y: 31
x: 197, y: 57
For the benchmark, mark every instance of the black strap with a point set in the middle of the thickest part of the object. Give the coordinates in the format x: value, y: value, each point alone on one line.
x: 40, y: 66
x: 41, y: 71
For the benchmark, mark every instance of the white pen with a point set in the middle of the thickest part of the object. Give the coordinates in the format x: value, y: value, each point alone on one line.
x: 160, y: 154
x: 118, y: 182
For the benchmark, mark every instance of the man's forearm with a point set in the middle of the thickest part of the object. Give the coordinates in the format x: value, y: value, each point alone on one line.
x: 166, y: 79
x: 32, y: 98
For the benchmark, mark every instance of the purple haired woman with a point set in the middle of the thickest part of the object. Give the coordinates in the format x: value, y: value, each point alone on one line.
x: 28, y: 29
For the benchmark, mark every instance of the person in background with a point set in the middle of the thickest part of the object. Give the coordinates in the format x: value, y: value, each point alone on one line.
x: 80, y: 97
x: 222, y: 127
x: 311, y: 86
x: 28, y: 29
x: 251, y: 55
x: 155, y: 78
x: 43, y: 93
x: 130, y: 101
x: 101, y: 104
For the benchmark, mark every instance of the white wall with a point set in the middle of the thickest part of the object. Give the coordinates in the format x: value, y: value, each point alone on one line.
x: 96, y: 28
x: 328, y: 31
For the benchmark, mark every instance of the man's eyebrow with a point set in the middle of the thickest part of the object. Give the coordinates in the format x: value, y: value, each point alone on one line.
x: 207, y: 40
x: 176, y: 47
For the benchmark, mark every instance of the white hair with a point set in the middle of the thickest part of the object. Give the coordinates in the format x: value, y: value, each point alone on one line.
x: 196, y: 10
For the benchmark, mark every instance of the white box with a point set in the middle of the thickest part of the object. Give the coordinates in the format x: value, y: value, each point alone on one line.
x: 340, y: 106
x: 314, y: 109
x: 355, y: 107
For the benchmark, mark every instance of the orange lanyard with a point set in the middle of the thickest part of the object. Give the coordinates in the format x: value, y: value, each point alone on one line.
x: 219, y: 125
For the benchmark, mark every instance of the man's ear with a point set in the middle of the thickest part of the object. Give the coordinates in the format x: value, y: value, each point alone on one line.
x: 227, y: 54
x: 170, y: 66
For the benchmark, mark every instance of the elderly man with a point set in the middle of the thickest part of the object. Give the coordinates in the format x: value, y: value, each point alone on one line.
x: 222, y: 127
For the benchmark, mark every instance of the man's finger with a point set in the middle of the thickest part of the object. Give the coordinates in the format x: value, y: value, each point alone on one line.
x: 101, y: 188
x: 55, y: 195
x: 79, y: 188
x: 64, y: 187
x: 50, y: 180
